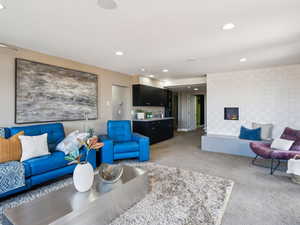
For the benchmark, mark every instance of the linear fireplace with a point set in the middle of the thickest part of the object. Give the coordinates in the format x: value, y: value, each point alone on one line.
x: 231, y: 113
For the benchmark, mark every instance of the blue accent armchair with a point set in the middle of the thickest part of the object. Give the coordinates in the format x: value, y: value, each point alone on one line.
x: 121, y: 143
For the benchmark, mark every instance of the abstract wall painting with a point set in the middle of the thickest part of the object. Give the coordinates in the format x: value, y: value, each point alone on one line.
x: 47, y: 93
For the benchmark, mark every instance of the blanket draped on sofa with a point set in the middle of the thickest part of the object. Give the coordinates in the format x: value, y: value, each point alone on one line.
x: 12, y: 176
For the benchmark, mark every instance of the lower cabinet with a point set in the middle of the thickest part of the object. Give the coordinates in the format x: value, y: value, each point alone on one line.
x: 158, y: 130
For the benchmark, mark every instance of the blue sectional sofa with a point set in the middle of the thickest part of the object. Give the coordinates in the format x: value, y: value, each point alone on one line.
x: 41, y: 169
x: 121, y: 143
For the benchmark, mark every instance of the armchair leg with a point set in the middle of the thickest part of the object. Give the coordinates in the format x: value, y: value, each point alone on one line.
x: 273, y: 166
x: 254, y: 159
x: 273, y: 169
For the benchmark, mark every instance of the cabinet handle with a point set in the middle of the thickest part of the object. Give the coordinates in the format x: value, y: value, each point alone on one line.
x: 147, y: 103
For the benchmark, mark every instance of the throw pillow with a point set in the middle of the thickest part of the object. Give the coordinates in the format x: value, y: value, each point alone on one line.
x: 10, y: 149
x: 2, y: 132
x: 71, y: 142
x: 266, y: 130
x: 34, y: 146
x: 250, y: 134
x: 282, y: 144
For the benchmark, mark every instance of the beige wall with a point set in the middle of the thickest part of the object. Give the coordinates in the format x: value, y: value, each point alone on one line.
x: 106, y: 79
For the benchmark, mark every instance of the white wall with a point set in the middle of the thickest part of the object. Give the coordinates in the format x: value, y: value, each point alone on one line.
x: 270, y: 95
x: 121, y: 103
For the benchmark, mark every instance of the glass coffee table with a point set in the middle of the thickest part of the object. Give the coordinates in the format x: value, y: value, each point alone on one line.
x: 97, y: 206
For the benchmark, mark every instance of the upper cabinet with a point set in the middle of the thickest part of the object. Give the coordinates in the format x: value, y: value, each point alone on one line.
x: 148, y: 96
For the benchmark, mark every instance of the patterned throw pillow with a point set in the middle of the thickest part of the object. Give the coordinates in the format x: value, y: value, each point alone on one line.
x: 2, y: 132
x: 10, y: 149
x: 71, y: 142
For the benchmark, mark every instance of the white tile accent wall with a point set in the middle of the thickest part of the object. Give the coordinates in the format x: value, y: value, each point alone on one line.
x: 269, y: 95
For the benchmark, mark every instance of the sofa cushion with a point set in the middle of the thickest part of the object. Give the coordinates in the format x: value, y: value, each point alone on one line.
x: 262, y: 149
x: 284, y: 155
x: 122, y: 147
x: 34, y: 146
x: 296, y: 146
x: 27, y: 169
x: 290, y: 134
x: 55, y: 133
x: 10, y: 149
x: 119, y: 130
x: 294, y: 135
x: 250, y: 134
x: 72, y: 142
x: 45, y: 163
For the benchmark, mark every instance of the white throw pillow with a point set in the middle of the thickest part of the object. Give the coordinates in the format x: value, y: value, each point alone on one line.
x: 71, y: 142
x: 34, y: 146
x: 266, y: 130
x: 282, y: 144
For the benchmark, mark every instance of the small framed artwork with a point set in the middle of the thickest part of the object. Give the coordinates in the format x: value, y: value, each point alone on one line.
x: 231, y: 113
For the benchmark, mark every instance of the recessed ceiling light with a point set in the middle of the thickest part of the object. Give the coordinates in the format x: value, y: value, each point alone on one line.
x: 243, y: 59
x: 228, y: 26
x: 165, y: 70
x: 151, y: 75
x: 196, y: 89
x: 3, y: 45
x: 2, y: 6
x: 119, y: 53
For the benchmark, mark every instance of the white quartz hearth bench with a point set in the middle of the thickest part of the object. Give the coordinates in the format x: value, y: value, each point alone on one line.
x: 227, y: 144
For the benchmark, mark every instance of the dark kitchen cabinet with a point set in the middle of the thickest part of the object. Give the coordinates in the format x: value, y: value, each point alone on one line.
x: 169, y: 103
x: 157, y: 130
x: 144, y: 95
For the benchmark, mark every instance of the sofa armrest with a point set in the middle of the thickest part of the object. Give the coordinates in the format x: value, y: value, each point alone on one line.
x: 107, y: 151
x: 144, y: 146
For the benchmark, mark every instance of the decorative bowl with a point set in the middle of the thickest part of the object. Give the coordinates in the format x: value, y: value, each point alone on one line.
x: 110, y: 173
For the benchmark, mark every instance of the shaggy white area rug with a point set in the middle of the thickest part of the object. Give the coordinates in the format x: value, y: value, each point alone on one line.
x: 179, y: 197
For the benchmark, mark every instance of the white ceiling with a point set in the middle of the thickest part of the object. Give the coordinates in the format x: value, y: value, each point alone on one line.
x: 158, y: 34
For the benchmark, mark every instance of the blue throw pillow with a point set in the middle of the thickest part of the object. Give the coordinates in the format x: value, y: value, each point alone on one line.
x: 250, y: 134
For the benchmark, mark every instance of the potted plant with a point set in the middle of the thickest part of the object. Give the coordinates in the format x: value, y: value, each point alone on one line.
x: 83, y: 176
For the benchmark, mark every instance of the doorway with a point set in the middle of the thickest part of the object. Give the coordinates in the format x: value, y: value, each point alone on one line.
x: 200, y: 111
x: 120, y: 103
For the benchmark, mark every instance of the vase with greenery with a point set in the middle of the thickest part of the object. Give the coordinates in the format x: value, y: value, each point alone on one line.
x: 83, y: 175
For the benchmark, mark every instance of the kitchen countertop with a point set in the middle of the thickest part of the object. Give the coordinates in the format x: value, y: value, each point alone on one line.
x: 154, y: 119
